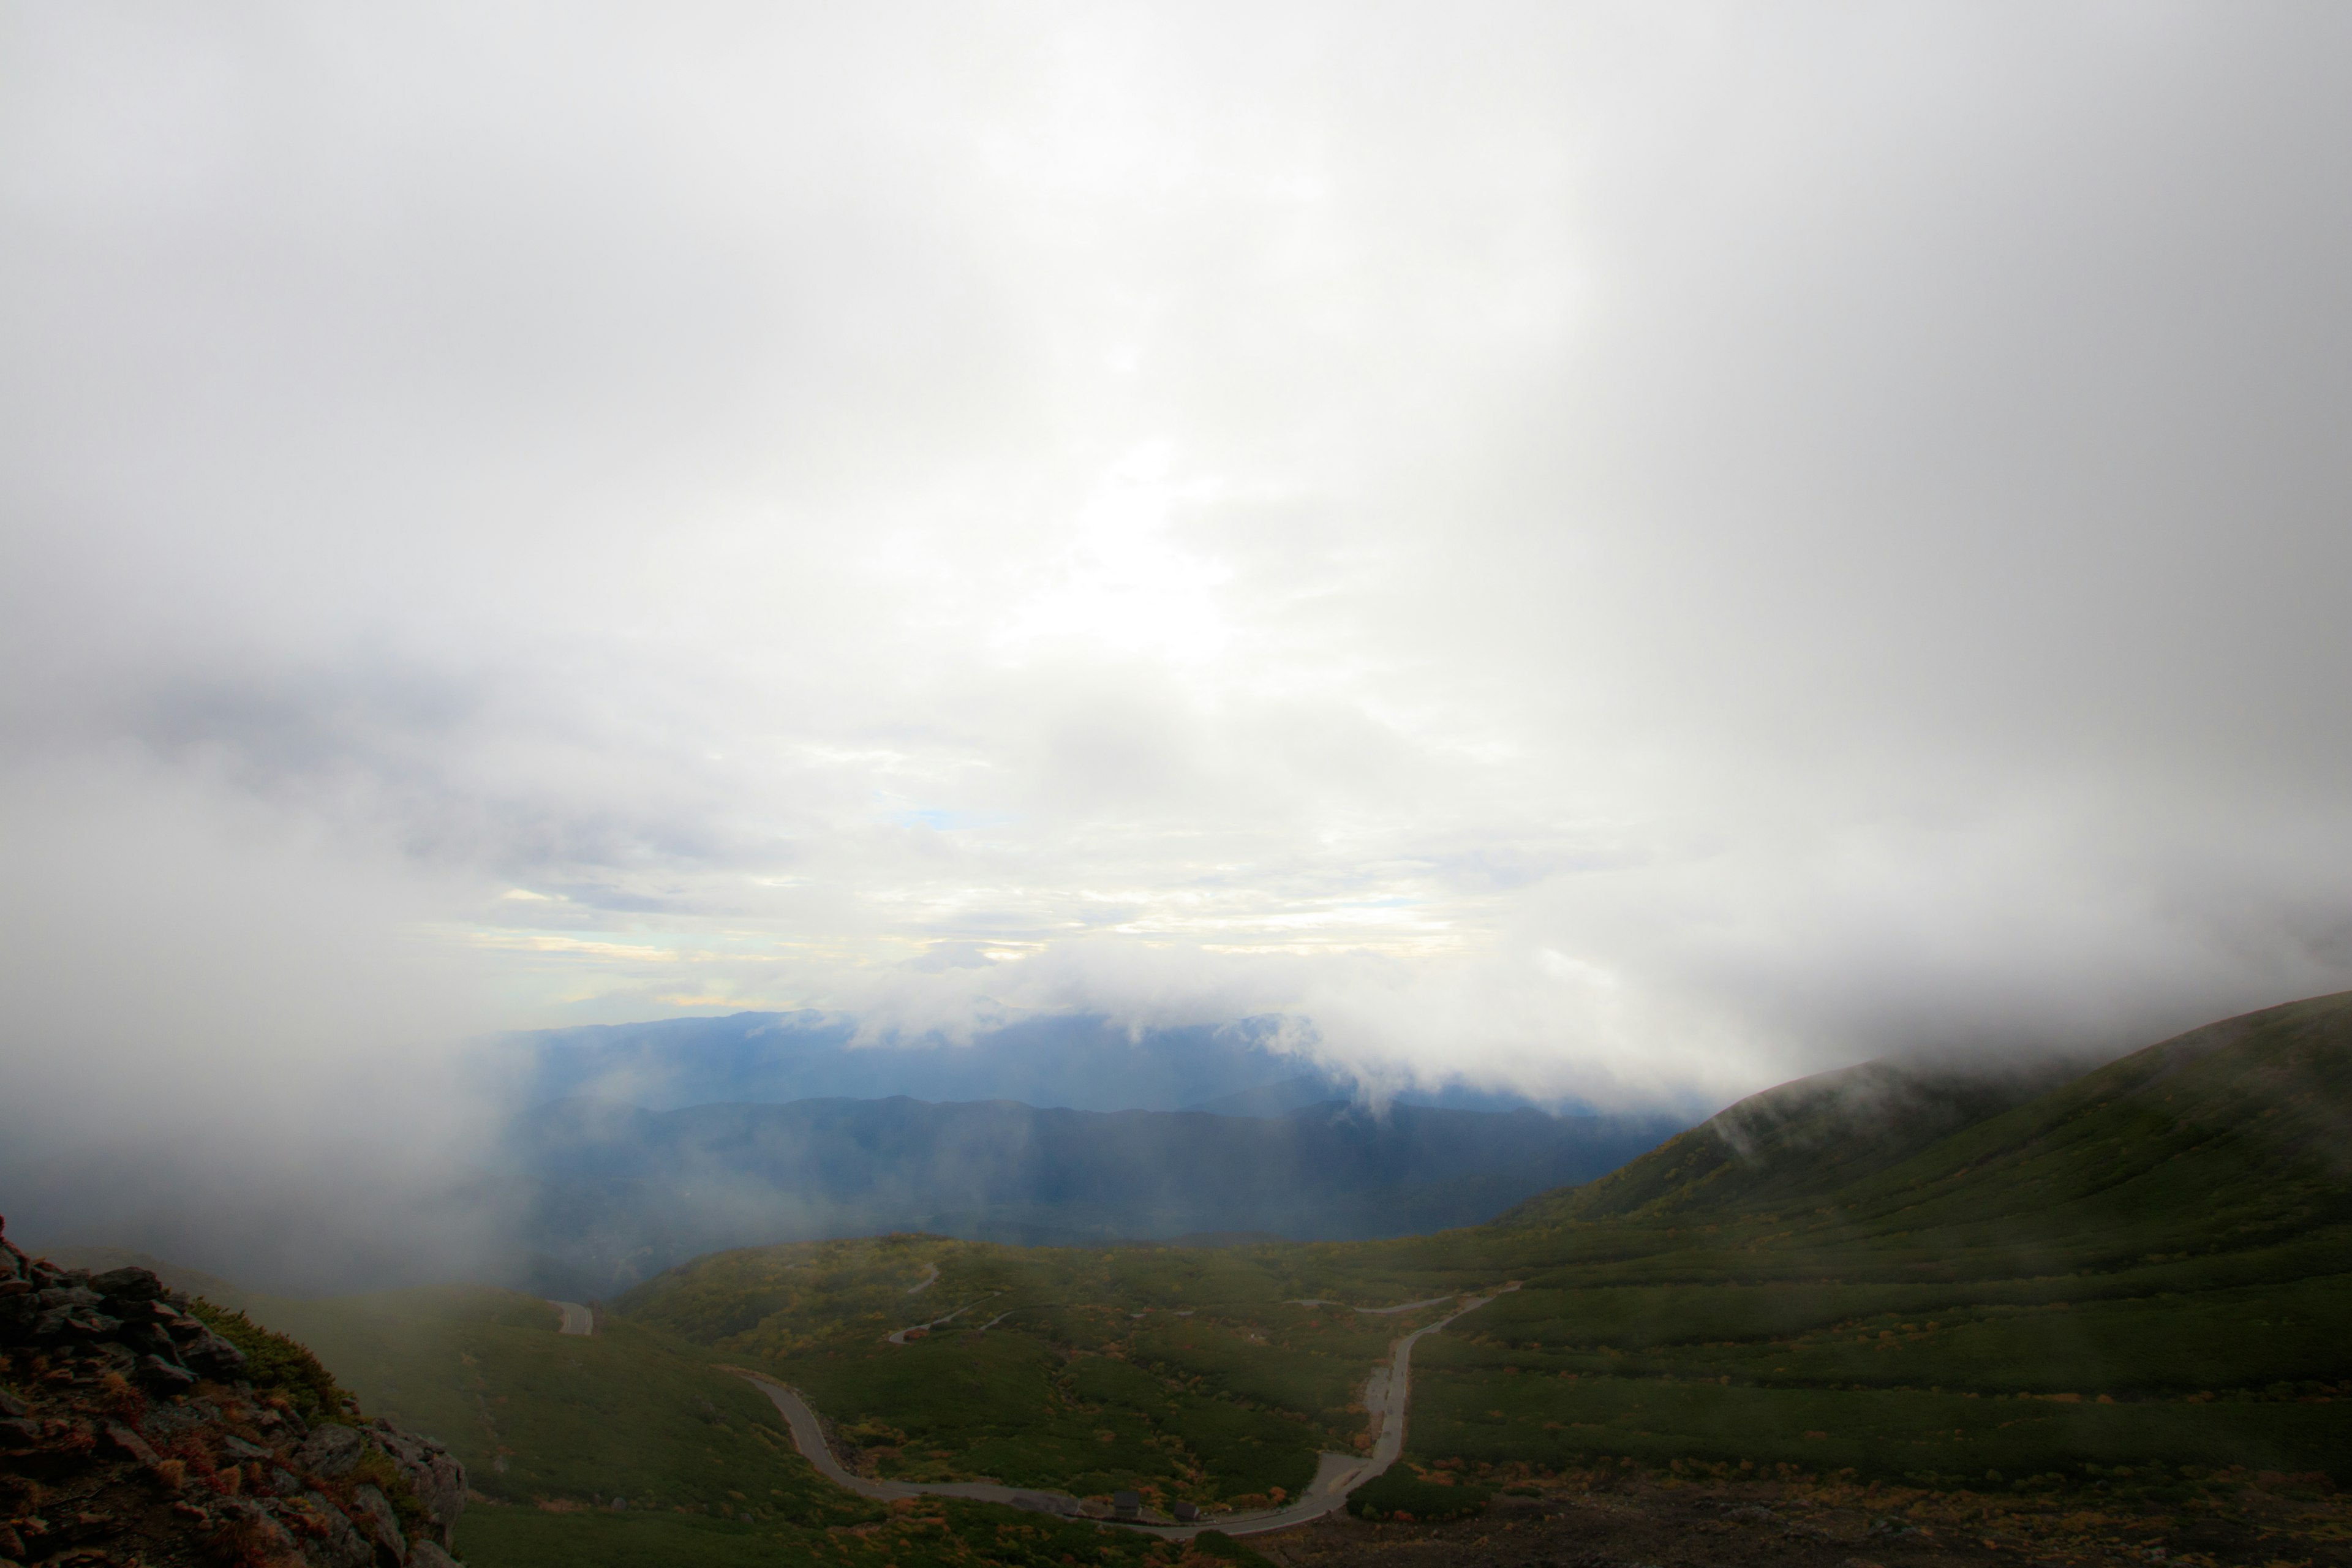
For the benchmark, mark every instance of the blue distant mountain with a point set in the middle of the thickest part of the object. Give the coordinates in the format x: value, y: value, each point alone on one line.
x: 1070, y: 1062
x: 615, y: 1193
x: 635, y: 1146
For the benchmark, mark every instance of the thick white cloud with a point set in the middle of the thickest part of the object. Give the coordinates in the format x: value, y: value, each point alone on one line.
x: 1627, y: 550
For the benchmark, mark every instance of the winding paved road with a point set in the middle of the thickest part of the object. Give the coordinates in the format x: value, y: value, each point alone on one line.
x: 1336, y: 1475
x: 577, y: 1319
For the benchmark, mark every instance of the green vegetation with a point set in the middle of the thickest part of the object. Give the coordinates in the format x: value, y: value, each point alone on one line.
x: 552, y: 1428
x: 541, y: 1417
x: 1178, y: 1374
x: 905, y: 1535
x: 276, y: 1364
x: 1400, y: 1494
x: 2148, y: 1265
x: 2023, y: 1284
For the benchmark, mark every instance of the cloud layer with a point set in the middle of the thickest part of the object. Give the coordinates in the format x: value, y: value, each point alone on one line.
x: 1628, y: 551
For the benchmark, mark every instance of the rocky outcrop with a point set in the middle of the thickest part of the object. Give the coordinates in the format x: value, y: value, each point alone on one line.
x: 132, y: 1430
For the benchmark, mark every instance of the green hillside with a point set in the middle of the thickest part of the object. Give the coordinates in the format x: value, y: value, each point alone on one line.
x: 2146, y: 1265
x: 1182, y: 1374
x: 2015, y: 1282
x: 1795, y: 1143
x: 554, y: 1428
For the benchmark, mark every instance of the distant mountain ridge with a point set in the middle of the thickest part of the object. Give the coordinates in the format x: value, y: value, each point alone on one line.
x: 1075, y: 1062
x: 618, y: 1193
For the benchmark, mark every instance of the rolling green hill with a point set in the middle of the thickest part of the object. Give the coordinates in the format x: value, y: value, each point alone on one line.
x: 1797, y: 1141
x: 2248, y: 1112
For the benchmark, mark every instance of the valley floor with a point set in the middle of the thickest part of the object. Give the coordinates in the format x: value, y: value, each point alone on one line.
x: 1599, y: 1520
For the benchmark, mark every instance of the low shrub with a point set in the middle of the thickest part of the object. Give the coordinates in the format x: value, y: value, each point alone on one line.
x: 275, y: 1363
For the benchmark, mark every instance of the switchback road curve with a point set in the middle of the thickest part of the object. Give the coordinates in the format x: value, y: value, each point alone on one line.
x: 1386, y: 1396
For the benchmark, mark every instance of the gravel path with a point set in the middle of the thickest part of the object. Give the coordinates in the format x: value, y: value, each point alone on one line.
x: 1336, y: 1475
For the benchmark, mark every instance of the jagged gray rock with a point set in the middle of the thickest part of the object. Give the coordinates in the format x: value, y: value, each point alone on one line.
x: 331, y: 1450
x: 255, y: 1530
x: 338, y: 1543
x: 378, y: 1508
x: 432, y: 1471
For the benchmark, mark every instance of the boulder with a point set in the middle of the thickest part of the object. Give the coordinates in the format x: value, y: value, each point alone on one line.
x: 433, y: 1473
x: 386, y: 1523
x: 73, y: 1321
x: 164, y: 1376
x: 249, y: 1532
x: 330, y: 1450
x: 68, y: 1292
x: 111, y: 1355
x: 130, y: 1442
x: 330, y: 1540
x: 426, y: 1554
x: 204, y: 1352
x: 128, y: 1285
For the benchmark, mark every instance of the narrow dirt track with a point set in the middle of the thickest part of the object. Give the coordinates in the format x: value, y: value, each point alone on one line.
x: 1386, y: 1396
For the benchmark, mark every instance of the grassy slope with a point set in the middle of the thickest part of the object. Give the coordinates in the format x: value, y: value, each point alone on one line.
x: 544, y: 1421
x: 1884, y: 1271
x: 702, y: 1457
x: 1178, y: 1374
x: 2170, y: 1233
x: 539, y: 1415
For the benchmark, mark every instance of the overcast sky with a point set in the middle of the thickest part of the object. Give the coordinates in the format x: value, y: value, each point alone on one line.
x: 1627, y: 550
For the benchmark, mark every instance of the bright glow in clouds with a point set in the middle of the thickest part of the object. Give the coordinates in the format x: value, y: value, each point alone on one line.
x: 1629, y: 551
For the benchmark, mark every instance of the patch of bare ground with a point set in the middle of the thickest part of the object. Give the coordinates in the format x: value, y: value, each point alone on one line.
x: 1602, y: 1520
